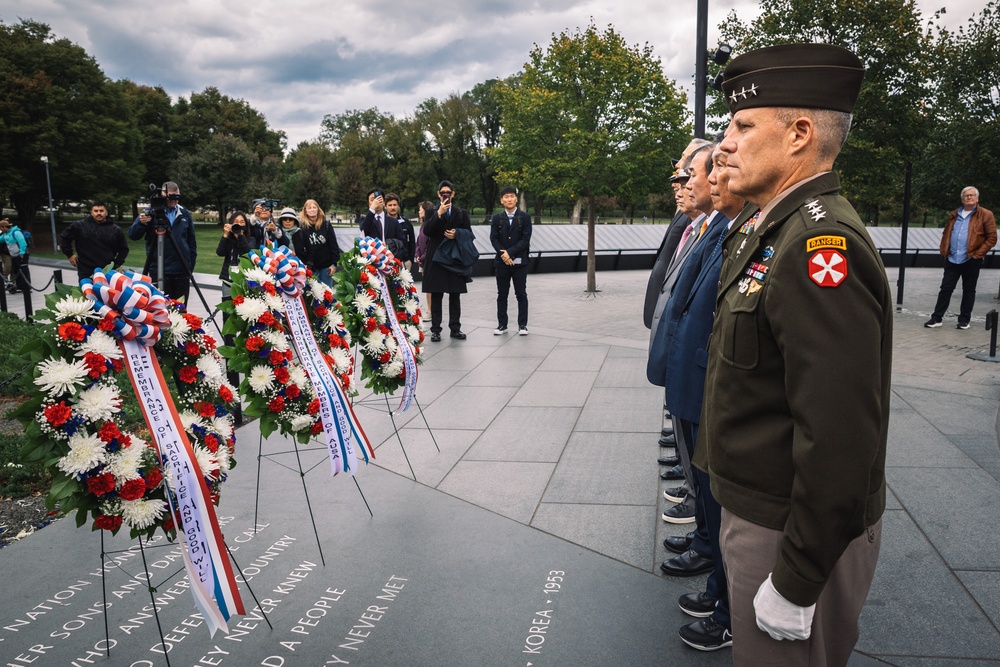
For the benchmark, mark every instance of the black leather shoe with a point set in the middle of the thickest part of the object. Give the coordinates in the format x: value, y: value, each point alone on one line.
x: 688, y: 564
x: 668, y: 460
x: 699, y: 605
x: 435, y: 338
x: 679, y: 543
x: 706, y: 635
x: 677, y: 472
x: 458, y: 335
x: 668, y: 440
x: 667, y: 430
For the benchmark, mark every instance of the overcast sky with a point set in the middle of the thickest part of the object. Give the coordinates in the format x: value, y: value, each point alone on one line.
x: 298, y: 60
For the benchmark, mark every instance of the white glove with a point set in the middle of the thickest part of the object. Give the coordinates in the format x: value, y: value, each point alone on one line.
x: 780, y: 618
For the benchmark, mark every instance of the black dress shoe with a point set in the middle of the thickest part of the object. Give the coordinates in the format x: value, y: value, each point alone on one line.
x: 435, y: 338
x: 458, y: 335
x: 668, y: 460
x: 668, y: 440
x: 678, y: 543
x: 677, y: 472
x: 699, y: 605
x: 706, y: 635
x: 688, y: 564
x: 666, y: 430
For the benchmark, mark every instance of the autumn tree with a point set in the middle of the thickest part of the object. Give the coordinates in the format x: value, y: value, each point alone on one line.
x: 590, y: 115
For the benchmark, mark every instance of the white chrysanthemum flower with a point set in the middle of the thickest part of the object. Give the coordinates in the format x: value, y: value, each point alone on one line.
x: 405, y: 276
x: 251, y: 309
x: 315, y: 289
x: 211, y: 368
x: 275, y: 302
x: 125, y: 463
x: 189, y: 419
x: 260, y: 276
x: 297, y: 375
x: 410, y: 306
x: 341, y: 359
x: 261, y: 378
x: 98, y: 403
x: 412, y: 333
x: 206, y: 460
x: 102, y: 343
x: 276, y: 340
x: 222, y: 457
x: 58, y: 376
x: 380, y: 313
x: 391, y: 344
x: 71, y: 308
x: 222, y: 426
x: 85, y: 452
x: 141, y: 514
x: 362, y: 302
x: 393, y: 368
x: 301, y: 423
x: 179, y: 328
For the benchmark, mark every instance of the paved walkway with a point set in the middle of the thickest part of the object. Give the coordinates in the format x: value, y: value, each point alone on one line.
x: 557, y: 433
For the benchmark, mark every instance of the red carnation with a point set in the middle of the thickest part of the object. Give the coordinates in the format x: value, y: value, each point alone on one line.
x: 276, y: 358
x: 288, y: 354
x: 107, y: 324
x: 212, y: 442
x: 316, y: 428
x: 402, y: 374
x: 209, y: 342
x: 328, y: 296
x: 277, y: 404
x: 384, y: 357
x: 320, y: 311
x: 58, y: 414
x: 371, y: 324
x: 109, y: 432
x: 188, y: 374
x: 193, y: 320
x: 372, y: 294
x: 400, y: 290
x: 266, y: 318
x: 421, y: 336
x: 191, y: 348
x: 168, y: 524
x: 72, y: 331
x: 226, y: 394
x: 313, y: 406
x: 363, y: 278
x: 101, y: 484
x: 269, y: 288
x: 133, y: 489
x: 153, y: 478
x: 292, y: 391
x: 385, y: 329
x: 118, y: 365
x: 205, y: 409
x: 238, y: 299
x: 105, y: 522
x: 345, y: 380
x: 415, y: 318
x: 254, y: 343
x: 281, y: 374
x: 96, y: 364
x: 412, y: 289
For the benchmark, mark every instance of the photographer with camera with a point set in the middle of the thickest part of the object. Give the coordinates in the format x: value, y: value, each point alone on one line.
x: 262, y: 215
x: 380, y: 224
x: 165, y: 215
x: 94, y: 242
x: 238, y: 238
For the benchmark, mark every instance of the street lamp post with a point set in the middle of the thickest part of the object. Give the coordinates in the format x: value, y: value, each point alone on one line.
x: 52, y: 211
x: 701, y: 68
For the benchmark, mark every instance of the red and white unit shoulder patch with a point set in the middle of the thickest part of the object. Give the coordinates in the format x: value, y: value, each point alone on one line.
x: 827, y: 268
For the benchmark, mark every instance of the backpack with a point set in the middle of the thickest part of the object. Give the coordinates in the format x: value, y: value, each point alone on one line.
x: 29, y: 240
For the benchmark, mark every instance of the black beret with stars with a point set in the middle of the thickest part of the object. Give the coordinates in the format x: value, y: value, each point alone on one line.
x: 809, y: 76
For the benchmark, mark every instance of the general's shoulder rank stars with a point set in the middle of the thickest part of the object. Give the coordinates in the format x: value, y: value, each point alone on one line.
x: 815, y: 210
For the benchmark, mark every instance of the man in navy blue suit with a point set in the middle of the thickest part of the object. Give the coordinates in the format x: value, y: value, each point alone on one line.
x: 678, y: 362
x: 510, y: 234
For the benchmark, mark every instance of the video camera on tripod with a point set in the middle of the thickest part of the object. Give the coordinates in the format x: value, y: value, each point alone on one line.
x: 157, y: 209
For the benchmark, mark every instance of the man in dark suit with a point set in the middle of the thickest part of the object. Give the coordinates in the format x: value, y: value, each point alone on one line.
x: 406, y: 231
x: 440, y: 224
x: 681, y: 345
x: 510, y: 234
x: 379, y: 224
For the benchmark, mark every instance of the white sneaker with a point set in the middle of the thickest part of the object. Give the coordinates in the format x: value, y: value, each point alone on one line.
x: 522, y: 331
x: 499, y: 331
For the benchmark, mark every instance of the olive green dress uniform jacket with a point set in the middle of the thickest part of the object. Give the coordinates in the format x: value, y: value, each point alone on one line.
x: 796, y: 411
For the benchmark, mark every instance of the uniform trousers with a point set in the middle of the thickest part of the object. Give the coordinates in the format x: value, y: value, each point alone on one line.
x: 750, y: 552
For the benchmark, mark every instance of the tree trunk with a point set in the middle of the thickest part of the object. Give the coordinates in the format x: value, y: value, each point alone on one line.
x: 591, y: 256
x: 577, y: 209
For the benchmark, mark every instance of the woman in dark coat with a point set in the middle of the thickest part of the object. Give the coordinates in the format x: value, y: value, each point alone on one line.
x: 238, y: 237
x: 441, y: 223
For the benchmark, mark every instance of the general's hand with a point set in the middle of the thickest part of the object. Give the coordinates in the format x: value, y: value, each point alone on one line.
x: 449, y: 233
x: 780, y: 618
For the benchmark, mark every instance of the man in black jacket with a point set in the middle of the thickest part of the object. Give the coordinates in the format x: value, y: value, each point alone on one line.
x: 440, y: 224
x: 180, y: 254
x: 94, y: 242
x: 510, y: 234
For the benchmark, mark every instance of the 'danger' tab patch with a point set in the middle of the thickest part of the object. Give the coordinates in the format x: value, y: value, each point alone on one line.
x: 827, y: 268
x: 820, y: 242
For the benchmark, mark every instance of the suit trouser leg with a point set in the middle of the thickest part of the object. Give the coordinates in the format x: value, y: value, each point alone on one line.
x: 436, y: 298
x: 750, y: 552
x: 684, y: 432
x: 503, y: 290
x: 717, y: 586
x: 519, y: 276
x: 455, y: 312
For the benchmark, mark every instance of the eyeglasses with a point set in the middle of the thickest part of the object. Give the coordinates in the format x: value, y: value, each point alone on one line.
x: 969, y: 194
x: 445, y: 193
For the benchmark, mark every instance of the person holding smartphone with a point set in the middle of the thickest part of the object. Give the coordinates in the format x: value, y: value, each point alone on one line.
x: 441, y: 223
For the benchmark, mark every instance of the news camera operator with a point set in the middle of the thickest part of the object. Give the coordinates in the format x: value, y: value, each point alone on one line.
x: 165, y: 215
